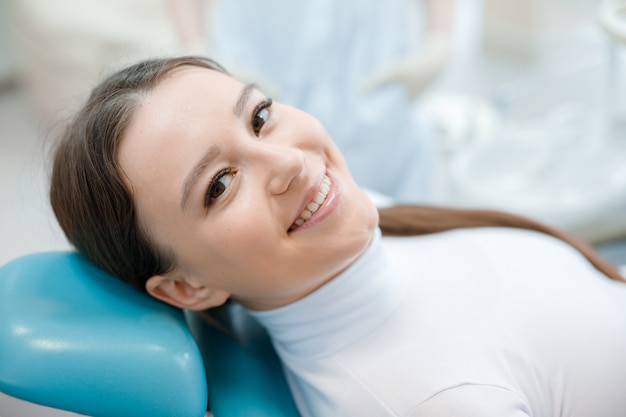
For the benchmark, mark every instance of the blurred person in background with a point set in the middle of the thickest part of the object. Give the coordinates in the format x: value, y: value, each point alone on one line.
x: 357, y: 66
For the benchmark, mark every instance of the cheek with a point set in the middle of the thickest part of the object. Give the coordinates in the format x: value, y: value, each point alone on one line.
x: 241, y: 241
x: 309, y: 130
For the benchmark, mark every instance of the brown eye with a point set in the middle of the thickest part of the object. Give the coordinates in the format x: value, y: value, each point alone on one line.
x: 218, y: 185
x: 260, y: 116
x: 216, y: 190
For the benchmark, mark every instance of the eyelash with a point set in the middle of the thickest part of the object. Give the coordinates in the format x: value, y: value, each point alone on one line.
x: 208, y: 198
x: 265, y: 104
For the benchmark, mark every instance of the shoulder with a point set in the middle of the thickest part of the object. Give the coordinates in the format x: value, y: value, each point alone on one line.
x: 503, y: 251
x: 486, y: 241
x: 474, y: 400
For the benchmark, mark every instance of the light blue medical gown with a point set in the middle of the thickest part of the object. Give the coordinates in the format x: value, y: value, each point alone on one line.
x: 317, y: 55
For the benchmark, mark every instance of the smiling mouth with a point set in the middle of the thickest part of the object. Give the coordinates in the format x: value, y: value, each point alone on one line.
x: 314, y: 205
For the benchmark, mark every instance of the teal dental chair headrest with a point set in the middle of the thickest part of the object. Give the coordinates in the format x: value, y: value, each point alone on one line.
x: 74, y: 338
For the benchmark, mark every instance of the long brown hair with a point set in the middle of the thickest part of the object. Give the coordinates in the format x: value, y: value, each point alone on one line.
x: 411, y: 220
x: 95, y: 207
x: 88, y: 194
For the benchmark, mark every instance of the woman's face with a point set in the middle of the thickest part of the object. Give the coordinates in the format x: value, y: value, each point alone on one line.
x: 253, y: 198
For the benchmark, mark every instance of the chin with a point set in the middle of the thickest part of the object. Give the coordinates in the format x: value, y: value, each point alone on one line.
x: 368, y: 213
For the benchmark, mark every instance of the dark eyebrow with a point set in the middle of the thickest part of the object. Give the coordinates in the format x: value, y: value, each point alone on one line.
x: 243, y: 98
x: 214, y: 151
x: 194, y: 174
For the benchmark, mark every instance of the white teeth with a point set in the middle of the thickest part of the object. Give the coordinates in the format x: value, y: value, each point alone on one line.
x: 314, y: 205
x: 319, y: 198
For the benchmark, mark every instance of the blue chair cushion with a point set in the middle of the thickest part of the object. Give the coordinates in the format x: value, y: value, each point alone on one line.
x: 75, y: 338
x: 246, y: 378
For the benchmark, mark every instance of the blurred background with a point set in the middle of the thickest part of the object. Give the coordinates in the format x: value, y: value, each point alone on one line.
x: 525, y: 102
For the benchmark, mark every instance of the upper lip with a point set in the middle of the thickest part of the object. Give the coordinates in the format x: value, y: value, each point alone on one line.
x: 309, y: 195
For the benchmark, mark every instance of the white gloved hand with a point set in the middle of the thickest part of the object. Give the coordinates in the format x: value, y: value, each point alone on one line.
x: 416, y: 70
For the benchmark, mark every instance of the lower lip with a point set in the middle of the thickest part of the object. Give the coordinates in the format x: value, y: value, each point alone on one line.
x: 327, y: 208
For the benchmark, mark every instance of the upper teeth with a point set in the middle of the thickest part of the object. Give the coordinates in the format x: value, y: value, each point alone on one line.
x: 314, y: 205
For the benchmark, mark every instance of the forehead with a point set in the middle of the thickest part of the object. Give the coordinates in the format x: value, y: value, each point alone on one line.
x: 186, y: 89
x: 188, y: 103
x: 190, y: 108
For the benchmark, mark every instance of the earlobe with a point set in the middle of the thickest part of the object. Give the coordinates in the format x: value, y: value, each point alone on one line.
x: 180, y: 293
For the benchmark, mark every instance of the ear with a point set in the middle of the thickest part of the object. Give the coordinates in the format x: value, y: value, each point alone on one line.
x: 180, y: 293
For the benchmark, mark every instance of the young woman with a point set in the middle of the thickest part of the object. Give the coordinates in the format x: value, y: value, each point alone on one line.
x: 198, y: 189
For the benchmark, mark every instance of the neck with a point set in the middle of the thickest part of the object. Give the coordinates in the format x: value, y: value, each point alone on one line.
x: 327, y: 319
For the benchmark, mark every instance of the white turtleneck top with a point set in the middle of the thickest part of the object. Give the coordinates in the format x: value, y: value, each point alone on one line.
x: 489, y: 322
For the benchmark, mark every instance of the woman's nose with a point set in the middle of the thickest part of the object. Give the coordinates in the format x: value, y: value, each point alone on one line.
x: 282, y: 165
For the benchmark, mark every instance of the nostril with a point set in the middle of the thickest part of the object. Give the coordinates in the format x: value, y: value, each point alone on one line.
x: 285, y: 170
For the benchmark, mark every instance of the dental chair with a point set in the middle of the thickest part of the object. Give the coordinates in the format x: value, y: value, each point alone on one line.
x: 75, y: 341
